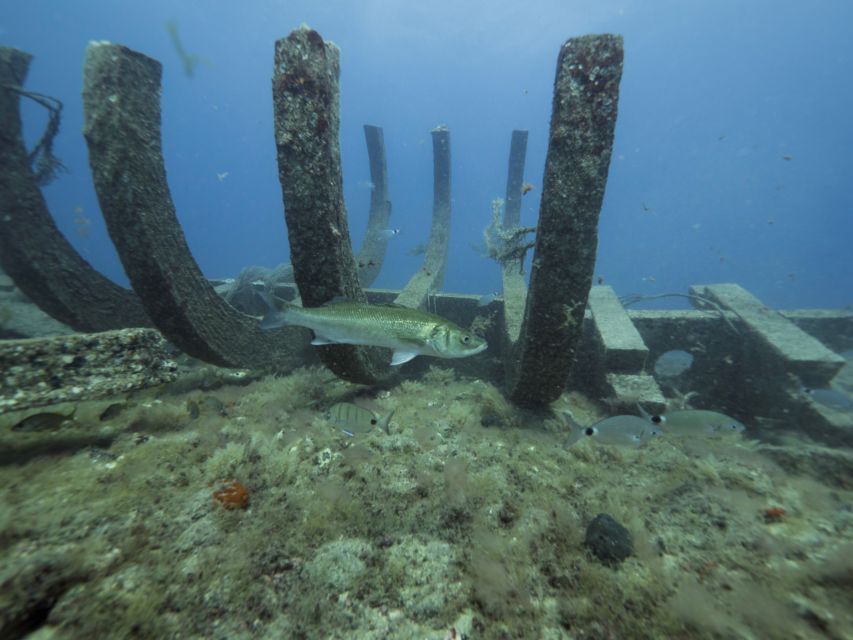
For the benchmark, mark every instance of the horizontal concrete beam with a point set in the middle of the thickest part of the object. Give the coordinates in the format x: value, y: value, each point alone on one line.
x: 792, y: 348
x: 622, y: 346
x: 43, y: 371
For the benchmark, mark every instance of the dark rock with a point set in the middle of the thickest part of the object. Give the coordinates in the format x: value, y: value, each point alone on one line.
x: 608, y: 540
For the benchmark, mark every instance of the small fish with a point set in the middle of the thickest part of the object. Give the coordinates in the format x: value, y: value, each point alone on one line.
x: 112, y: 411
x: 366, y: 184
x: 788, y: 158
x: 212, y: 404
x: 526, y: 188
x: 625, y: 430
x: 407, y: 332
x: 487, y: 299
x: 193, y: 409
x: 221, y: 176
x: 82, y: 223
x: 46, y: 421
x: 387, y: 234
x: 696, y: 422
x: 673, y: 363
x: 831, y: 398
x: 352, y: 419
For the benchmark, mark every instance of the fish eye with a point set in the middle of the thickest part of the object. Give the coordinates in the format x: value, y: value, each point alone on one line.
x: 657, y: 419
x: 373, y: 421
x: 466, y: 339
x: 589, y: 431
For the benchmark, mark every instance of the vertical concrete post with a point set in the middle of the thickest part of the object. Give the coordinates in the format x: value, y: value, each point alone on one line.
x: 583, y: 118
x: 515, y: 178
x: 307, y: 120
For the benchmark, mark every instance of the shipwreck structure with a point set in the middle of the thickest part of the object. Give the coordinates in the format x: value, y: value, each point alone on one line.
x: 559, y: 330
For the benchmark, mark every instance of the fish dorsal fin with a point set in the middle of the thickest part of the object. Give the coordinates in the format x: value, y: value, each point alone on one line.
x: 392, y: 305
x: 337, y: 300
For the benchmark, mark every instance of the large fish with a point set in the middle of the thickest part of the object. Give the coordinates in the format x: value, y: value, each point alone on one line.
x: 407, y: 332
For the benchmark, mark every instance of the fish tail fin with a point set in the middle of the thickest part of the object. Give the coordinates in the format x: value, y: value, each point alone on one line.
x: 577, y: 431
x: 385, y: 422
x: 277, y: 313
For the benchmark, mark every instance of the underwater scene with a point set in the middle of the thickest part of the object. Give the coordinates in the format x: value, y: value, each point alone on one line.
x: 441, y: 321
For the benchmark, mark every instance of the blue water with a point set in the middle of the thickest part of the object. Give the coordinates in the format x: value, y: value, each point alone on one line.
x: 714, y: 96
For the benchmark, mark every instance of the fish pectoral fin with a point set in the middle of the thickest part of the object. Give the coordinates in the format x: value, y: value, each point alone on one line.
x: 400, y: 357
x: 318, y: 340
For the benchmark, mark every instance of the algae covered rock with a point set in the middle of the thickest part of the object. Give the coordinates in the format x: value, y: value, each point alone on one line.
x: 608, y: 540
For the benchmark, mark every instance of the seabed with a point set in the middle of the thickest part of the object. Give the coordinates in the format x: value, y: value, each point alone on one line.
x: 467, y: 519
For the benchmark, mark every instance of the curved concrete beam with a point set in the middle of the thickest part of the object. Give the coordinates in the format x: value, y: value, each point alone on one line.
x: 514, y: 287
x: 121, y: 96
x: 429, y: 278
x: 307, y: 121
x: 583, y: 118
x: 372, y: 252
x: 33, y: 251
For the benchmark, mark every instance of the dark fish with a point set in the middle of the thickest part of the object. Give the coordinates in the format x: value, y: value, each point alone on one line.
x: 47, y: 421
x: 212, y: 404
x: 112, y: 411
x: 192, y: 409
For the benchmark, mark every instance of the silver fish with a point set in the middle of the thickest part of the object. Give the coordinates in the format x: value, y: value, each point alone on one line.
x: 697, y: 422
x: 387, y: 234
x: 352, y: 419
x: 625, y: 430
x: 832, y: 398
x: 407, y: 332
x: 673, y: 363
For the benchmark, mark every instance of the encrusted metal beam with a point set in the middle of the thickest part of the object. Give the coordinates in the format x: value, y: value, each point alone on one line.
x: 33, y: 252
x: 429, y: 278
x: 307, y: 121
x: 583, y: 118
x: 121, y: 97
x: 372, y: 252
